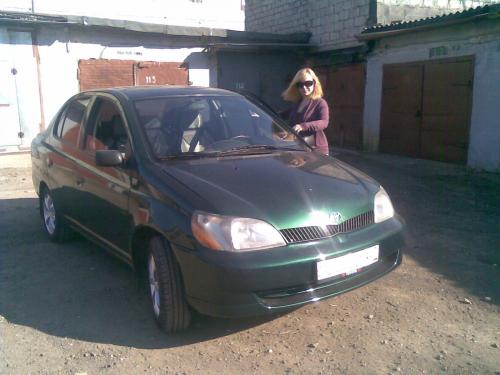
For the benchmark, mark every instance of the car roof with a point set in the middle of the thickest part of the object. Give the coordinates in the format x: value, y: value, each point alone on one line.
x: 143, y: 92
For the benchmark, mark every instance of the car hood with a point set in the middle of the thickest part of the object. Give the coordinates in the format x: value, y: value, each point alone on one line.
x: 286, y: 189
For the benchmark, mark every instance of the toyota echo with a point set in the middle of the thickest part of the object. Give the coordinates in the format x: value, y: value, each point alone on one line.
x: 215, y: 201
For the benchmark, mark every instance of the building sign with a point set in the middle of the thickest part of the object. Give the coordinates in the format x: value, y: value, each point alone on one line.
x: 438, y: 51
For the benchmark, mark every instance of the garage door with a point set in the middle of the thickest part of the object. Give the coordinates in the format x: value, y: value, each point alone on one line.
x: 426, y: 109
x: 344, y: 88
x: 101, y: 73
x: 20, y: 113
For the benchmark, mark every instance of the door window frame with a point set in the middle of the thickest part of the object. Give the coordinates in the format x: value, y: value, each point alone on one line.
x: 61, y: 117
x: 91, y: 122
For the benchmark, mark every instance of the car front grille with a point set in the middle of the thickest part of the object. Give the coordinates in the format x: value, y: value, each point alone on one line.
x: 311, y: 233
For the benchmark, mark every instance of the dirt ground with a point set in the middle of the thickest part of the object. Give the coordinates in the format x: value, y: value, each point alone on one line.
x: 72, y: 309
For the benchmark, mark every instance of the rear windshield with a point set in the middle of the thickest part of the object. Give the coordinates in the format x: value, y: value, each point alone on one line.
x: 209, y: 124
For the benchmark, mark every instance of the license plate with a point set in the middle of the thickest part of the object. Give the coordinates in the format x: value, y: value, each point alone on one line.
x: 347, y: 264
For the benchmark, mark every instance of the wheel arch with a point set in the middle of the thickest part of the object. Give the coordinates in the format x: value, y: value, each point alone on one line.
x: 139, y: 248
x: 41, y: 186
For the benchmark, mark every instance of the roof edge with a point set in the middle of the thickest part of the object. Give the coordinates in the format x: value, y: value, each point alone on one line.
x: 208, y: 33
x: 376, y: 32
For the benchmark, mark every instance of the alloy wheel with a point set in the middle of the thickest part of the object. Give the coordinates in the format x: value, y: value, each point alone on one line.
x: 49, y: 214
x: 154, y: 286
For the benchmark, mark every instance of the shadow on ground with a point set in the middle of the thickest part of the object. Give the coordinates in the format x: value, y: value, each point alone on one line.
x: 78, y: 291
x: 75, y: 290
x: 452, y: 215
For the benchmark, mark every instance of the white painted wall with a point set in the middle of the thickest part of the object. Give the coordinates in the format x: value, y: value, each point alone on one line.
x: 60, y: 51
x: 480, y: 39
x: 225, y: 14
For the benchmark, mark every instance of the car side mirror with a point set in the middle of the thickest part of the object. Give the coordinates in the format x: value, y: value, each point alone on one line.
x: 109, y: 158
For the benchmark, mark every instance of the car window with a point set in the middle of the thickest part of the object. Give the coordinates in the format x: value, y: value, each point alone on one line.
x: 70, y: 124
x: 208, y: 124
x: 107, y: 131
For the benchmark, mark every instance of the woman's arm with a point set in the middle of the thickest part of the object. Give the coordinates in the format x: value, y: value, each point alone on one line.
x: 319, y: 117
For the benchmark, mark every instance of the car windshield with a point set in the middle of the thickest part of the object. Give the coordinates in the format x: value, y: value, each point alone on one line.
x: 183, y: 126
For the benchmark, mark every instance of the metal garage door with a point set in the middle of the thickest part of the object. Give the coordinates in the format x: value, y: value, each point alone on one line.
x: 344, y: 88
x: 101, y: 73
x: 426, y: 109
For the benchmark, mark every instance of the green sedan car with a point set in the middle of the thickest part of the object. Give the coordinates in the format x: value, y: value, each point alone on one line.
x: 213, y: 200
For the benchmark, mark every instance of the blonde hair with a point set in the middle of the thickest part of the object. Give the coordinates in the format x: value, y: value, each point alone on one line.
x: 292, y: 94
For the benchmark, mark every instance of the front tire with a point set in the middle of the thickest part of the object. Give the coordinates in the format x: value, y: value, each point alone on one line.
x: 54, y: 225
x: 166, y: 288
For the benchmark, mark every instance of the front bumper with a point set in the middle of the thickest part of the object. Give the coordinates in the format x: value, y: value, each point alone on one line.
x: 228, y: 284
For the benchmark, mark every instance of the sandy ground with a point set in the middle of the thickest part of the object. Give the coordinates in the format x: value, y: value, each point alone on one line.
x: 72, y: 309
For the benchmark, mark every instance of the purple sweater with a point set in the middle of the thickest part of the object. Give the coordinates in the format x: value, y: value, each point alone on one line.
x: 313, y: 115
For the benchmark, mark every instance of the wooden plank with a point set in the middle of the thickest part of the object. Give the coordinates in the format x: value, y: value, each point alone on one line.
x: 401, y: 109
x: 344, y: 88
x: 446, y: 109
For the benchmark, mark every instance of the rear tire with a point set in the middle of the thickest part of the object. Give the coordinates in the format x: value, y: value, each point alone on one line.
x: 52, y: 221
x: 166, y: 287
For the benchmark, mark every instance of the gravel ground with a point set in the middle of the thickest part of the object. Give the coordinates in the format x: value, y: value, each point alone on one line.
x: 72, y: 309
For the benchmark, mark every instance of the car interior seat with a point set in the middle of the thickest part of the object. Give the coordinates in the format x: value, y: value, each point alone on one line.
x: 120, y: 137
x: 189, y: 121
x: 157, y: 138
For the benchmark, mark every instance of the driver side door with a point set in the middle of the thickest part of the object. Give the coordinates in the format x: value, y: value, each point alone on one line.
x: 105, y: 191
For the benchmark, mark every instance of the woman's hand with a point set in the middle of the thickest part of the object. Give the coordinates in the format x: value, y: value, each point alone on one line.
x: 298, y: 128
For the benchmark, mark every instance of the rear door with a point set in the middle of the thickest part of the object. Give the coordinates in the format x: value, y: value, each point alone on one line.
x: 63, y: 152
x: 104, y: 191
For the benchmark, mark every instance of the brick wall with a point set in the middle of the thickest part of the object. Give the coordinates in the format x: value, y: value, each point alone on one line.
x: 102, y: 73
x: 335, y: 23
x: 95, y: 74
x: 277, y: 16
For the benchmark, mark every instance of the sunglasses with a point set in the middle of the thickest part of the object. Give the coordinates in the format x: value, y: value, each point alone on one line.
x: 305, y: 84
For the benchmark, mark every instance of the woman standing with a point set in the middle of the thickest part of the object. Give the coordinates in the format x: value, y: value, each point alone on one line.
x: 309, y: 115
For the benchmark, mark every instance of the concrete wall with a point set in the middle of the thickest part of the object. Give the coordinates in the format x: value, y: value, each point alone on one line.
x: 60, y: 48
x: 333, y: 24
x: 226, y: 14
x: 480, y: 39
x: 265, y: 74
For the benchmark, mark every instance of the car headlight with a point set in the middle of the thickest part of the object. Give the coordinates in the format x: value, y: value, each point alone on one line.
x: 229, y: 233
x: 382, y: 207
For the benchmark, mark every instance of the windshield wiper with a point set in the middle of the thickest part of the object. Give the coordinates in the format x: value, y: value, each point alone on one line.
x: 256, y: 148
x: 189, y: 155
x: 231, y: 151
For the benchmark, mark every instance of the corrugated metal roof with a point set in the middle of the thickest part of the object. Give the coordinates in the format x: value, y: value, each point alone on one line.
x: 429, y: 22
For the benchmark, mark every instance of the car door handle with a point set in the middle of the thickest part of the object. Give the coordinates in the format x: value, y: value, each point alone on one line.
x: 80, y: 181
